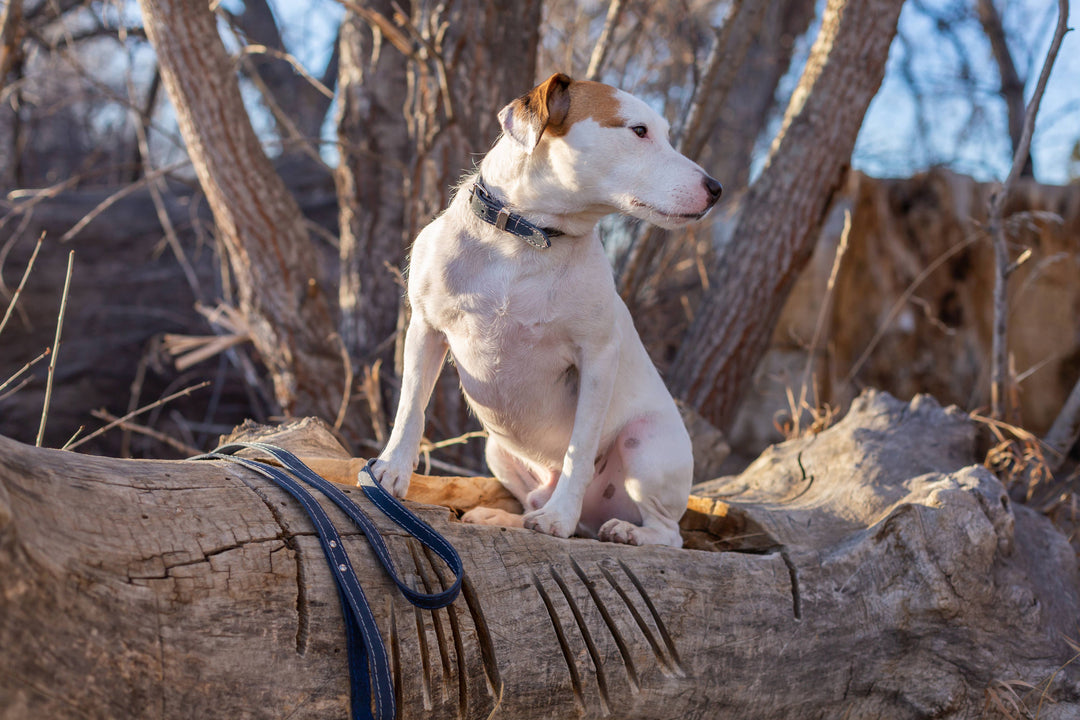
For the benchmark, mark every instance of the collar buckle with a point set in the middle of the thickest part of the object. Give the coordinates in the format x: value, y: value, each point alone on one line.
x: 502, y: 218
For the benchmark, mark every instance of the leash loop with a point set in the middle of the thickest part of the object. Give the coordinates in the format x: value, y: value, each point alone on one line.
x: 369, y: 668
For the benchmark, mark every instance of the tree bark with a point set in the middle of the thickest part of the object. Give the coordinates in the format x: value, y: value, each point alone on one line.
x: 421, y: 89
x: 869, y: 572
x: 11, y: 33
x: 781, y: 216
x: 370, y: 178
x: 749, y: 102
x: 289, y: 317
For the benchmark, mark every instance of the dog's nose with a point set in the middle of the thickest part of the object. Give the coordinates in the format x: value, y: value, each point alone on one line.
x: 713, y: 188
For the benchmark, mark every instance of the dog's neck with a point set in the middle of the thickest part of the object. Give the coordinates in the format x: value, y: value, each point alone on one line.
x: 528, y: 187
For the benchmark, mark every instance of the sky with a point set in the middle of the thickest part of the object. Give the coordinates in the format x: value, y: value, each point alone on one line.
x: 974, y: 143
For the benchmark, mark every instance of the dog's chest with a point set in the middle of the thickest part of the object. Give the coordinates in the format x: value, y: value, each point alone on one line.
x: 497, y: 317
x: 515, y: 329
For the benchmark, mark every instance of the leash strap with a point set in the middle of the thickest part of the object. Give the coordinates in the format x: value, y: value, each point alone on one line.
x: 369, y: 669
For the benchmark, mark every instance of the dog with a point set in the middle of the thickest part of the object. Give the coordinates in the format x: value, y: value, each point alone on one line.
x: 513, y: 281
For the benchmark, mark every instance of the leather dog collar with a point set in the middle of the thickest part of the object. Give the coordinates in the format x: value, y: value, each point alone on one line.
x: 491, y: 211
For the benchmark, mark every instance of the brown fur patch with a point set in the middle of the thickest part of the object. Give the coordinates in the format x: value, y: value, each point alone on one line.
x: 590, y: 100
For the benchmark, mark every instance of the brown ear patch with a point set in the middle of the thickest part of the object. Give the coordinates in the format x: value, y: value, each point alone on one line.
x: 543, y: 107
x: 590, y: 101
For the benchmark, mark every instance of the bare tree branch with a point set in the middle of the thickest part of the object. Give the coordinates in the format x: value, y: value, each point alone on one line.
x: 996, y: 226
x: 603, y: 44
x: 1012, y: 86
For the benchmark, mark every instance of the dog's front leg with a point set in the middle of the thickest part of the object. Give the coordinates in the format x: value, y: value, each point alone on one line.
x: 559, y: 516
x: 425, y: 351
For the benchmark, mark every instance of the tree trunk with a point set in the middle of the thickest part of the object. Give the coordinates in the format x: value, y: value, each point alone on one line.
x: 420, y: 92
x: 748, y: 104
x: 781, y: 217
x: 868, y: 572
x: 370, y: 177
x: 288, y: 314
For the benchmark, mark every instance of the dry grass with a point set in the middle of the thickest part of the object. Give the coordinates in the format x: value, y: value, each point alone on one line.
x: 1022, y: 700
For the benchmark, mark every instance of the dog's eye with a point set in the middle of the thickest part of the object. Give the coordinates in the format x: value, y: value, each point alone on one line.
x: 640, y: 130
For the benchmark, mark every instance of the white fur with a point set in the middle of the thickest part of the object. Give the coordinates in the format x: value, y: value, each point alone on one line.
x: 611, y: 457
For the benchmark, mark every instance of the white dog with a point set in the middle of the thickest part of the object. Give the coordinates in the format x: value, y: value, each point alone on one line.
x: 513, y: 280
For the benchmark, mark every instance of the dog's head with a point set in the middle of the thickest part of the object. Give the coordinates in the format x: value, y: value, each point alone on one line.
x: 598, y: 146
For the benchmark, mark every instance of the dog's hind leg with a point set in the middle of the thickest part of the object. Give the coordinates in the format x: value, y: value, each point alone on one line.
x: 659, y: 467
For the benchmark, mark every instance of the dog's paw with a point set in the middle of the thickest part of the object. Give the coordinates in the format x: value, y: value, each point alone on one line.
x: 493, y: 516
x: 393, y: 476
x: 549, y: 521
x: 627, y: 533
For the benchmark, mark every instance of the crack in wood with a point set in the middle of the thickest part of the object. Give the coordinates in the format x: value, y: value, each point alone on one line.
x: 455, y: 631
x: 620, y: 642
x: 665, y: 666
x: 303, y: 608
x: 423, y: 573
x: 660, y: 627
x: 483, y: 636
x: 796, y: 595
x: 425, y: 658
x: 560, y: 635
x: 395, y: 653
x: 590, y: 646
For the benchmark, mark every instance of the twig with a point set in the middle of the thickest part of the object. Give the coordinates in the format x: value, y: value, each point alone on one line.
x: 55, y: 350
x: 120, y: 195
x: 346, y: 392
x: 255, y: 49
x: 280, y: 116
x: 140, y: 411
x: 73, y: 436
x: 12, y: 391
x: 1065, y: 430
x: 159, y: 203
x: 134, y: 393
x: 426, y: 448
x: 825, y: 303
x: 1012, y: 87
x: 603, y: 43
x: 23, y: 369
x: 999, y: 350
x: 144, y: 430
x: 22, y: 282
x: 371, y: 386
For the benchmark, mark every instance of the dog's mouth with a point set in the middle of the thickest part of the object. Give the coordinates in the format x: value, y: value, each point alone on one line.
x: 675, y: 217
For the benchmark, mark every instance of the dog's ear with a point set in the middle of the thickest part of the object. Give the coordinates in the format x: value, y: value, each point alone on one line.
x: 546, y: 105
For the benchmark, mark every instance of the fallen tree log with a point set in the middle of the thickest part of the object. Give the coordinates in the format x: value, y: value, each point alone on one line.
x: 871, y: 571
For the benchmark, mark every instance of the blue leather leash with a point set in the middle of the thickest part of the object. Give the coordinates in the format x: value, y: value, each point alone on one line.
x: 369, y: 668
